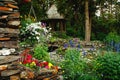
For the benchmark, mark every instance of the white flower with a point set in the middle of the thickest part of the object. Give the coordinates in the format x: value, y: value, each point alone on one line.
x: 38, y: 30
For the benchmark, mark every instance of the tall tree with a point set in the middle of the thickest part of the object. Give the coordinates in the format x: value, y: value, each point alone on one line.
x: 87, y: 22
x: 78, y: 12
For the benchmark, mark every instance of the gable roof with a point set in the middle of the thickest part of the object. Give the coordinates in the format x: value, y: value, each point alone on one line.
x: 52, y: 13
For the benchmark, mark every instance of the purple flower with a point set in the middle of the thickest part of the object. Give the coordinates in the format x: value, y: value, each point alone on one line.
x: 78, y: 46
x: 43, y: 24
x: 65, y: 45
x: 70, y: 42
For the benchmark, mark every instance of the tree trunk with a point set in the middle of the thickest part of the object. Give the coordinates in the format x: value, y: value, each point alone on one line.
x: 87, y: 23
x: 90, y: 24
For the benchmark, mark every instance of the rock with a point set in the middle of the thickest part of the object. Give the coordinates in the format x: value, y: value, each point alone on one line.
x: 46, y: 72
x: 9, y: 24
x: 1, y: 4
x: 23, y: 74
x: 3, y: 67
x: 15, y: 77
x: 5, y: 8
x: 3, y: 16
x: 9, y: 30
x: 12, y: 6
x: 4, y: 39
x: 2, y: 24
x: 8, y: 59
x: 7, y: 0
x: 9, y: 44
x: 6, y: 51
x: 14, y: 15
x: 27, y: 75
x: 9, y: 72
x: 6, y: 12
x: 11, y: 2
x: 9, y: 35
x: 60, y: 77
x: 14, y: 23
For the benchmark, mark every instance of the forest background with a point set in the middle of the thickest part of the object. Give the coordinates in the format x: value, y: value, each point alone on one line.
x: 86, y: 19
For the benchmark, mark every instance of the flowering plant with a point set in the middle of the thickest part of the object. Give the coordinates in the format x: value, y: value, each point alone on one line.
x: 36, y: 32
x: 28, y: 60
x: 31, y: 62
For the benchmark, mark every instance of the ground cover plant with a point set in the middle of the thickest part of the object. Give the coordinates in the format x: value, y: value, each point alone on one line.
x: 77, y: 67
x: 107, y: 66
x: 41, y: 52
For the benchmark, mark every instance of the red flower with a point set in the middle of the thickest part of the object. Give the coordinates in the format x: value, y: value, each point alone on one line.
x: 28, y: 56
x: 35, y: 60
x: 24, y: 62
x: 27, y: 59
x: 43, y: 64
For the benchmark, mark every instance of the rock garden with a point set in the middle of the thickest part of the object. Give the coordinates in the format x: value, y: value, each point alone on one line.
x: 46, y: 49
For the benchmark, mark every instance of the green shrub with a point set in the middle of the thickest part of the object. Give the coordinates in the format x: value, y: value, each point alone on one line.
x: 73, y: 65
x: 113, y: 42
x: 24, y: 34
x: 61, y: 35
x: 107, y: 67
x: 87, y: 77
x: 112, y: 36
x: 40, y: 52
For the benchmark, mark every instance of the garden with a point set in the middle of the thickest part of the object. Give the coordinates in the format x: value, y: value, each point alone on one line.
x: 87, y: 49
x: 77, y: 60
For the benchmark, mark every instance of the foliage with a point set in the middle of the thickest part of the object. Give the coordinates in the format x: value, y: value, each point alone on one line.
x: 71, y: 30
x: 102, y: 27
x: 75, y: 64
x: 78, y: 67
x: 107, y: 66
x: 73, y: 12
x: 113, y: 41
x: 24, y: 7
x: 113, y: 36
x: 24, y: 21
x: 32, y: 33
x: 39, y: 8
x: 40, y: 52
x: 107, y: 21
x: 28, y: 60
x: 60, y: 35
x: 75, y: 21
x: 88, y: 77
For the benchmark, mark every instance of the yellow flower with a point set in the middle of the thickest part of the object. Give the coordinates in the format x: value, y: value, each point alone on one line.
x: 50, y: 65
x: 20, y: 62
x: 32, y: 64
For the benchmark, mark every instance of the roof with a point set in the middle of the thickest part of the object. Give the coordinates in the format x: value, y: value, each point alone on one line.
x: 52, y: 13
